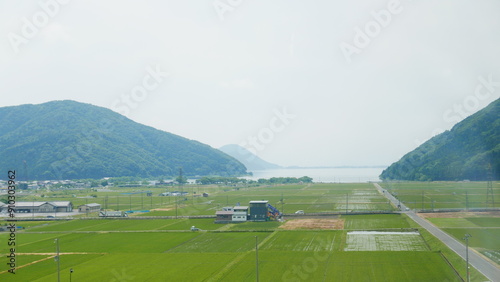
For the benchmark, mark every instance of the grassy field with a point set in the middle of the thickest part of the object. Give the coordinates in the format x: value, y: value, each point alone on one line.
x: 485, y: 232
x: 374, y: 221
x: 444, y: 195
x: 343, y: 266
x: 165, y: 249
x: 288, y: 198
x: 159, y: 255
x: 384, y: 241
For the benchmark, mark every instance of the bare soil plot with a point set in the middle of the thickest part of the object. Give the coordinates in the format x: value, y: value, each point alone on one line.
x: 313, y: 223
x: 163, y: 209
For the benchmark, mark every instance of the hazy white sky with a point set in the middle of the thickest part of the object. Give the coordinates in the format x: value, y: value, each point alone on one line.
x: 305, y: 83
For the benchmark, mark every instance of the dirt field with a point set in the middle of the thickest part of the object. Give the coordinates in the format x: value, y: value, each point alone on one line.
x: 313, y: 224
x: 163, y: 209
x: 459, y: 214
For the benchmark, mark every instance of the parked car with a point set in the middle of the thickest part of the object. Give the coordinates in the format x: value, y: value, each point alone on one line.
x: 299, y: 212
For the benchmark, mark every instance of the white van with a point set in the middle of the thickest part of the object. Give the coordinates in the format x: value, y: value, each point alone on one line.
x: 299, y: 212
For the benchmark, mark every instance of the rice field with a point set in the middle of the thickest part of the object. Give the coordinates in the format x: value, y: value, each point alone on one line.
x: 166, y: 250
x: 157, y: 254
x: 384, y: 241
x: 444, y: 195
x: 485, y: 231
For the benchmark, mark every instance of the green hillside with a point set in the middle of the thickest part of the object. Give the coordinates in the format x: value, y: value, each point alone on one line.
x: 72, y: 140
x: 470, y: 150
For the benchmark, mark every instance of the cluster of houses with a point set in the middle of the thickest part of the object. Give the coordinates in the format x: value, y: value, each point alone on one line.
x: 175, y: 193
x: 37, y: 185
x: 256, y: 211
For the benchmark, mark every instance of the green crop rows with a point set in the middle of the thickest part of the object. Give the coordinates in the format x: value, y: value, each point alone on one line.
x: 445, y: 195
x: 485, y: 232
x: 166, y: 250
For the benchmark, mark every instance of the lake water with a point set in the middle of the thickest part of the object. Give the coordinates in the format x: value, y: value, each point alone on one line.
x: 331, y: 175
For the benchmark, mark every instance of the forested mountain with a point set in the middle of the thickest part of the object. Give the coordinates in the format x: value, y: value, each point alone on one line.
x: 470, y: 150
x: 250, y: 160
x: 72, y: 140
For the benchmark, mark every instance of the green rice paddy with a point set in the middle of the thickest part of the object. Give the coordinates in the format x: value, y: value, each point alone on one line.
x: 165, y: 249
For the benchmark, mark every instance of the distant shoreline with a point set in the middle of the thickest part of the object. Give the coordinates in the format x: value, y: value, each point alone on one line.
x: 321, y: 167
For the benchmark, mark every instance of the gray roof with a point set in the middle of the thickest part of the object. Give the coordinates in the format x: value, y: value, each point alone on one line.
x: 60, y: 203
x: 224, y: 212
x: 38, y: 204
x: 29, y: 204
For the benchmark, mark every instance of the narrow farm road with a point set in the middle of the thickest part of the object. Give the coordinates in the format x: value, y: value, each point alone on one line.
x: 487, y: 268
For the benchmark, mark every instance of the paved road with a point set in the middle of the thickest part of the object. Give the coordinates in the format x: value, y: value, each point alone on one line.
x: 487, y: 268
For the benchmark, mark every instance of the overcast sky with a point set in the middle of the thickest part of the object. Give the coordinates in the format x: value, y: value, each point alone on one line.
x: 309, y: 83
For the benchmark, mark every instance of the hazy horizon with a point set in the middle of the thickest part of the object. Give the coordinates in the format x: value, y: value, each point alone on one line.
x: 299, y: 84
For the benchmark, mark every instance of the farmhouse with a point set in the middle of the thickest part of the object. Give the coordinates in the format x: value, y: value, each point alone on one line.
x: 240, y: 214
x: 258, y: 211
x: 94, y: 207
x: 62, y: 206
x: 224, y: 216
x: 41, y: 207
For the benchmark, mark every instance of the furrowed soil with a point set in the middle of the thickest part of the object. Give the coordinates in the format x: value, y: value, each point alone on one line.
x: 311, y: 223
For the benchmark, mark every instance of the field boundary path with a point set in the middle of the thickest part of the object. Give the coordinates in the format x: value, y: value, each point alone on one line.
x: 484, y: 266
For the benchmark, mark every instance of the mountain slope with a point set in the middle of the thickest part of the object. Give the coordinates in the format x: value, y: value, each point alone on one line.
x: 467, y: 151
x: 70, y: 140
x: 250, y: 160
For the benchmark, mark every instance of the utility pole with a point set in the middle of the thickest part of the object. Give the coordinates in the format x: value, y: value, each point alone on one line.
x: 422, y: 200
x: 282, y: 210
x: 489, y: 187
x: 180, y: 180
x: 466, y: 201
x: 466, y: 238
x: 57, y: 259
x: 346, y: 202
x: 256, y: 259
x: 26, y: 178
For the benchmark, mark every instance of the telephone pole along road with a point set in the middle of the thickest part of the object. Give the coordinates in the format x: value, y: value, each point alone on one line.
x: 487, y: 268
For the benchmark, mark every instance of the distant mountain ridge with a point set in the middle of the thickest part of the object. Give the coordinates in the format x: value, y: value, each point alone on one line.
x: 470, y: 150
x: 72, y: 140
x: 250, y: 160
